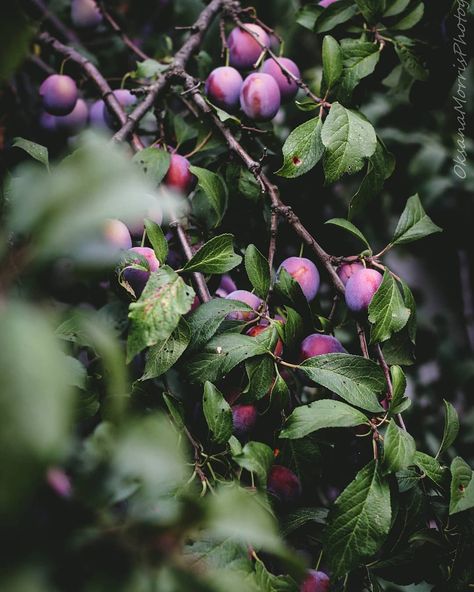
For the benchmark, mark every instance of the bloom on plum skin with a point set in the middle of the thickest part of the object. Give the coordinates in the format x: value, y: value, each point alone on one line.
x: 288, y: 87
x: 244, y: 418
x: 361, y: 288
x: 247, y: 298
x: 59, y: 94
x: 346, y: 270
x: 260, y: 97
x: 179, y: 177
x: 223, y: 87
x: 244, y: 49
x: 304, y: 272
x: 283, y: 484
x: 318, y: 344
x: 315, y: 581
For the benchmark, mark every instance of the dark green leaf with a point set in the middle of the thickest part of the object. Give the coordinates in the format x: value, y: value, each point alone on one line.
x: 396, y: 7
x: 359, y: 60
x: 414, y: 223
x: 216, y: 256
x: 357, y: 380
x: 215, y: 191
x: 349, y: 139
x: 261, y: 375
x: 410, y: 61
x: 302, y: 149
x: 307, y: 15
x: 257, y: 458
x: 399, y: 448
x: 36, y: 151
x: 154, y: 162
x: 399, y: 382
x: 293, y: 328
x: 462, y: 487
x: 302, y: 516
x: 218, y: 413
x: 157, y: 240
x: 157, y: 312
x: 162, y: 356
x: 451, y: 427
x: 408, y: 21
x: 258, y: 270
x: 371, y: 10
x: 349, y: 227
x: 387, y: 311
x: 359, y: 521
x: 335, y: 14
x: 332, y: 62
x: 319, y: 415
x: 430, y: 467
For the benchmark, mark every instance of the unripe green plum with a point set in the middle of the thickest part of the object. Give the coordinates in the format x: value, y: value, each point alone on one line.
x: 223, y: 87
x: 244, y: 50
x: 59, y: 94
x: 288, y: 87
x: 304, y: 272
x: 360, y: 289
x: 260, y: 97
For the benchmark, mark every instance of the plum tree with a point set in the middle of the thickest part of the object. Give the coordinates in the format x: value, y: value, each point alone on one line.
x: 59, y: 94
x: 85, y: 14
x: 288, y: 87
x: 179, y: 177
x: 318, y: 345
x: 244, y: 418
x: 346, y: 270
x: 73, y: 122
x: 360, y: 289
x: 117, y: 234
x: 283, y: 484
x: 136, y: 274
x: 304, y: 272
x: 125, y: 98
x: 258, y: 330
x: 248, y: 298
x: 244, y: 50
x: 223, y: 87
x: 315, y: 581
x: 260, y: 97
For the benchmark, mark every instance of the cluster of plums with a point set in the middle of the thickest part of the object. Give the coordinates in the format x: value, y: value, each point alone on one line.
x: 261, y: 93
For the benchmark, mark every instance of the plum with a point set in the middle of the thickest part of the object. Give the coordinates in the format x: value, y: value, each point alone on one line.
x: 326, y: 3
x: 248, y: 298
x: 244, y: 49
x: 315, y: 581
x: 283, y: 484
x: 47, y: 122
x: 288, y: 87
x: 346, y: 270
x: 138, y: 277
x: 96, y: 115
x: 59, y: 94
x: 304, y: 272
x: 260, y: 97
x: 223, y: 87
x: 244, y: 418
x: 125, y: 98
x: 360, y: 289
x: 179, y: 177
x: 318, y: 345
x: 85, y: 14
x: 258, y: 329
x: 226, y: 286
x: 117, y: 234
x: 73, y: 122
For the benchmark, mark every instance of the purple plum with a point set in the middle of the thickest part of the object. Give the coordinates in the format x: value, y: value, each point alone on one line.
x: 244, y: 49
x: 283, y: 484
x: 244, y: 418
x: 260, y: 97
x: 125, y: 98
x: 138, y: 277
x: 318, y: 345
x: 248, y: 298
x: 223, y: 87
x: 347, y: 270
x: 117, y: 234
x: 315, y: 581
x: 96, y: 115
x: 179, y: 178
x: 360, y: 289
x: 85, y: 14
x: 73, y: 122
x: 304, y: 272
x: 226, y: 286
x: 59, y: 94
x: 288, y: 87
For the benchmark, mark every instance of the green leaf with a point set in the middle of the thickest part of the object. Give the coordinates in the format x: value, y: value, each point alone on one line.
x: 215, y: 191
x: 430, y: 467
x: 154, y: 162
x: 176, y: 411
x: 414, y: 223
x: 303, y: 516
x: 302, y: 149
x: 157, y: 312
x: 216, y: 256
x: 162, y: 356
x: 290, y: 291
x: 349, y: 139
x: 258, y: 270
x: 320, y: 415
x: 355, y: 379
x: 293, y: 328
x: 280, y: 393
x: 411, y: 19
x: 335, y: 14
x: 149, y: 69
x: 451, y: 427
x: 399, y: 383
x: 381, y: 167
x: 36, y: 151
x: 332, y: 62
x: 220, y: 355
x: 399, y: 448
x: 396, y: 7
x: 359, y: 61
x: 261, y: 375
x: 257, y: 458
x: 387, y: 311
x: 462, y: 487
x: 346, y: 225
x: 157, y: 240
x: 359, y: 521
x: 207, y: 318
x: 218, y: 413
x: 268, y: 582
x: 410, y: 61
x: 307, y: 15
x: 371, y: 10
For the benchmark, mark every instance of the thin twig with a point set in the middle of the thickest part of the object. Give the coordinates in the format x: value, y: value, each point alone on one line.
x: 363, y: 341
x: 120, y: 32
